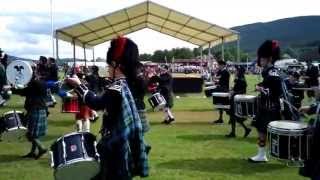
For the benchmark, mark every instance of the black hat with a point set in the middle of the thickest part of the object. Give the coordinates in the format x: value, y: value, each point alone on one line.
x: 269, y: 48
x: 123, y: 53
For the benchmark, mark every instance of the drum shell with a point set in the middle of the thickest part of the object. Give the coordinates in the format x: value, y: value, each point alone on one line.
x: 209, y: 90
x: 73, y: 148
x: 157, y: 101
x: 70, y: 105
x: 13, y: 120
x: 245, y: 108
x: 13, y: 126
x: 289, y: 145
x: 220, y: 100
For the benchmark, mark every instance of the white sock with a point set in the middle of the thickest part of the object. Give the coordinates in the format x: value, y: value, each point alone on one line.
x: 169, y: 113
x: 79, y: 125
x: 86, y: 125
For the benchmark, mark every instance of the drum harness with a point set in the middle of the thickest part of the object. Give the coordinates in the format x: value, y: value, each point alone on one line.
x: 287, y: 98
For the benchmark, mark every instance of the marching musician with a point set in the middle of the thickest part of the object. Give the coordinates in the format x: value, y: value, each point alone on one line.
x: 311, y: 166
x: 138, y: 90
x: 240, y: 87
x: 164, y: 81
x: 121, y: 148
x: 222, y: 80
x: 35, y: 106
x: 83, y: 116
x: 311, y: 77
x: 270, y: 91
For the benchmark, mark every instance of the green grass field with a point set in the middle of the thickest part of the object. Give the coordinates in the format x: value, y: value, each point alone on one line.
x: 191, y: 148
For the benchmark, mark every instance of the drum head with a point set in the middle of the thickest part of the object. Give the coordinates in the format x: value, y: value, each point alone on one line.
x: 288, y: 125
x: 220, y: 94
x: 244, y: 97
x: 82, y: 170
x: 19, y: 73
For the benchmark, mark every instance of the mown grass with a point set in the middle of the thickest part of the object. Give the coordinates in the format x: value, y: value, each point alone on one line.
x: 191, y: 148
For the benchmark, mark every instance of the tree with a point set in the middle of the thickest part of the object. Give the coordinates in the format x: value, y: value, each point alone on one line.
x: 145, y: 57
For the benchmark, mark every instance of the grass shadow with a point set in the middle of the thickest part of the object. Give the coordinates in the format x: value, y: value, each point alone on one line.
x: 7, y: 158
x: 208, y: 137
x: 221, y: 165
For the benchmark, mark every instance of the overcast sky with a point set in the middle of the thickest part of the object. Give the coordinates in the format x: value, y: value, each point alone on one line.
x: 25, y: 25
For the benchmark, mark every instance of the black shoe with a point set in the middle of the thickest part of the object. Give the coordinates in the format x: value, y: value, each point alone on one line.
x: 231, y: 135
x: 29, y: 155
x: 42, y: 152
x: 148, y: 148
x: 169, y: 121
x: 219, y: 121
x: 246, y: 133
x: 164, y: 121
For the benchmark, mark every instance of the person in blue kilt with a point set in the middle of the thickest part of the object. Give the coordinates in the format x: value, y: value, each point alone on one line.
x: 121, y: 147
x: 36, y: 114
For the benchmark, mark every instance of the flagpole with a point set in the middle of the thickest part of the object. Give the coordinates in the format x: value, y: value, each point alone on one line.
x: 52, y: 31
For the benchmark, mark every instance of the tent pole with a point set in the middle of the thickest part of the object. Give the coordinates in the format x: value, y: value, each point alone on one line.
x: 57, y: 49
x: 222, y: 49
x: 238, y: 48
x: 93, y: 56
x: 84, y: 56
x: 74, y: 55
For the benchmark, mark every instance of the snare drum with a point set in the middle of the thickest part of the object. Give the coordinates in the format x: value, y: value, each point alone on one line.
x: 70, y: 105
x: 221, y: 100
x: 208, y: 90
x: 13, y: 126
x: 289, y: 140
x: 74, y: 156
x: 157, y: 101
x: 245, y: 106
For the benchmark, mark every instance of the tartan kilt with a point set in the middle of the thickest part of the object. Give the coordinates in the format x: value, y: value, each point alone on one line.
x: 144, y: 122
x: 37, y: 123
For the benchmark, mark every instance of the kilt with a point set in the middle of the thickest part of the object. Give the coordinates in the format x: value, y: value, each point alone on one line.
x: 37, y: 123
x: 265, y: 116
x: 144, y: 122
x: 84, y: 112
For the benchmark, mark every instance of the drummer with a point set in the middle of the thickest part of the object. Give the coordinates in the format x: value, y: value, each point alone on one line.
x: 121, y: 148
x: 240, y: 87
x: 311, y: 77
x: 296, y: 95
x: 164, y: 81
x: 312, y: 166
x: 35, y: 105
x: 222, y: 79
x: 270, y: 92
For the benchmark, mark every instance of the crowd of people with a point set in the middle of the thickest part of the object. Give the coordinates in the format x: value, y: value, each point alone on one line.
x: 122, y: 147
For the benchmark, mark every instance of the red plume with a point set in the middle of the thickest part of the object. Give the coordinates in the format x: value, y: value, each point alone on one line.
x: 120, y: 43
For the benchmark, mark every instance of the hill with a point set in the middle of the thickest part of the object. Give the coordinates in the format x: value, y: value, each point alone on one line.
x: 295, y: 32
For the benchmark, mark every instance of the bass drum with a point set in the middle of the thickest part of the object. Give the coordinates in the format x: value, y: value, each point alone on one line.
x: 19, y: 73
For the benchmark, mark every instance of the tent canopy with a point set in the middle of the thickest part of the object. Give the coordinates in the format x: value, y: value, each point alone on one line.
x: 145, y: 15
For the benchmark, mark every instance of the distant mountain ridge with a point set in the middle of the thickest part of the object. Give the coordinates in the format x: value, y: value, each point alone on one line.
x: 295, y: 31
